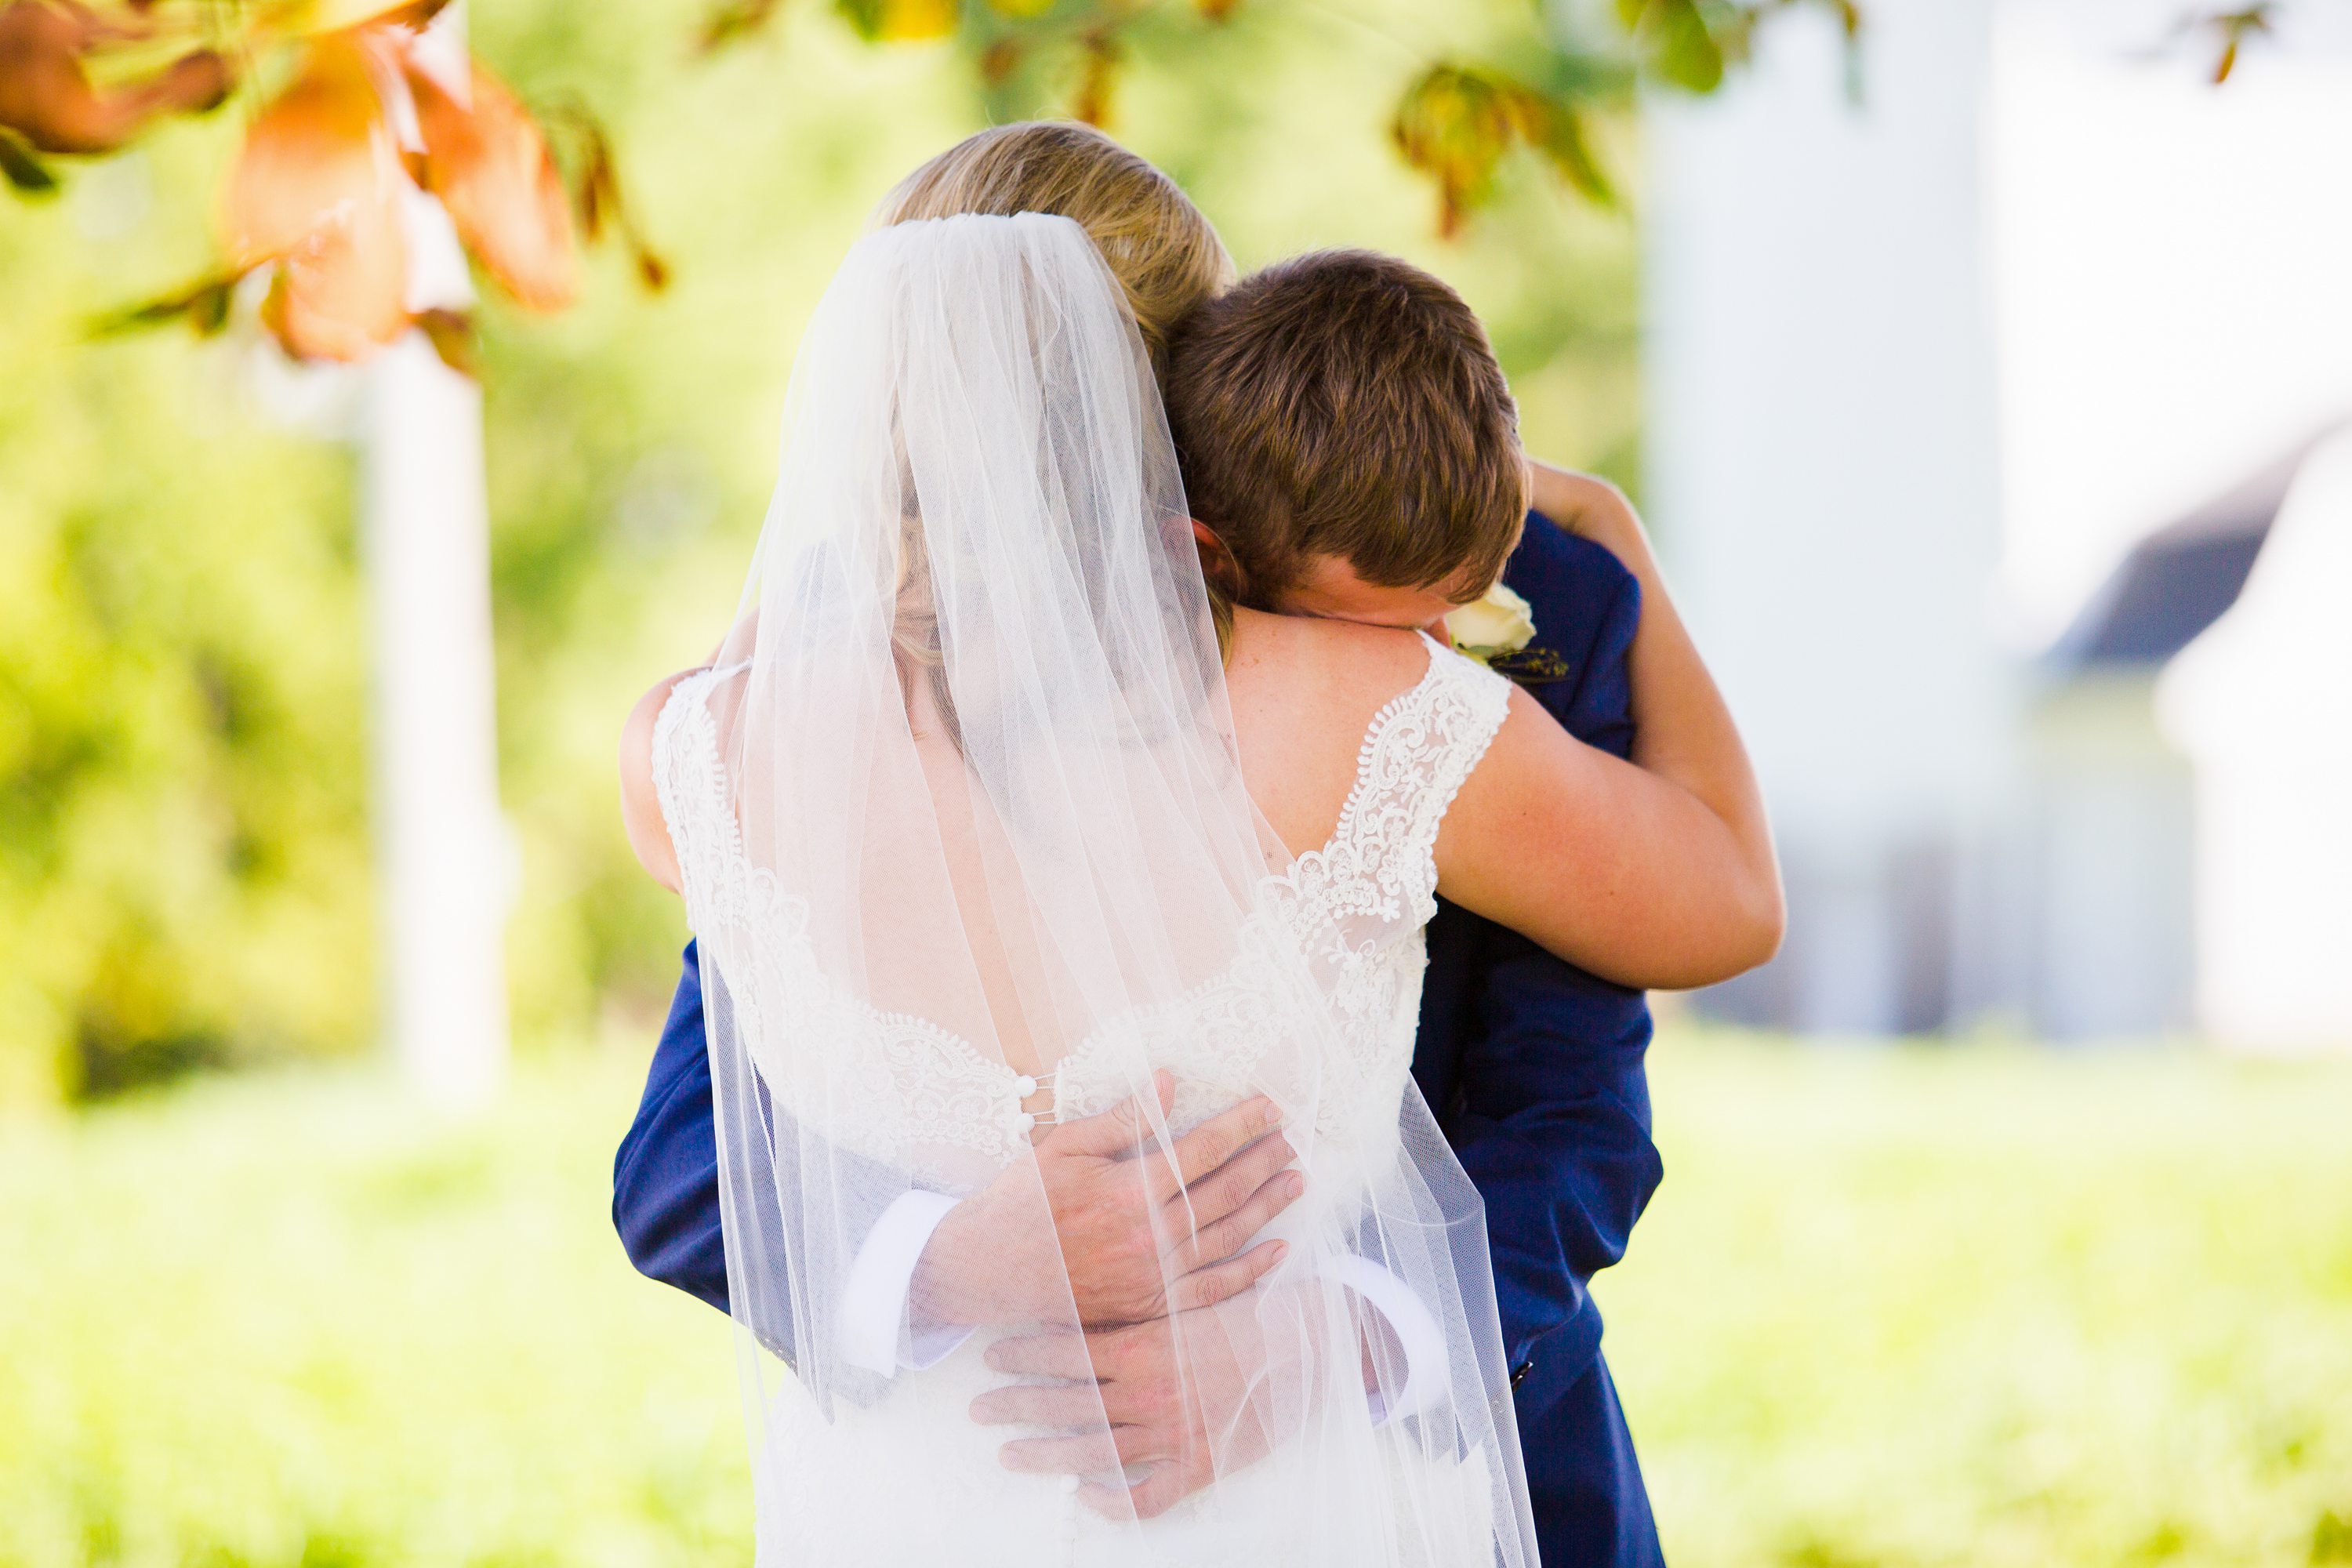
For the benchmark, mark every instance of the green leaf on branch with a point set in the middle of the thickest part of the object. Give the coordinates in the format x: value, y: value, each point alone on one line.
x: 1694, y: 43
x: 21, y: 169
x: 1680, y: 47
x: 204, y: 306
x: 1565, y: 139
x: 1456, y: 123
x: 597, y: 202
x: 451, y: 334
x: 735, y: 19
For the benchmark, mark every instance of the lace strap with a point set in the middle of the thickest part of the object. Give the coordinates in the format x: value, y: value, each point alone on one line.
x: 1417, y: 752
x: 690, y: 783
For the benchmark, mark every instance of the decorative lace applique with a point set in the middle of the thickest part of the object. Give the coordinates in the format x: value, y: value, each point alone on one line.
x: 898, y: 1088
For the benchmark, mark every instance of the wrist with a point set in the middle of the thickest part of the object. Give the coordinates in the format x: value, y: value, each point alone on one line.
x: 944, y: 1288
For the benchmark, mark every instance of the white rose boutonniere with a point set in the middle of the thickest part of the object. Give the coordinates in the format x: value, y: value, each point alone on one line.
x: 1488, y: 628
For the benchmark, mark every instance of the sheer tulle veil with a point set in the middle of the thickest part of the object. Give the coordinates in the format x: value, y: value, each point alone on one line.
x: 967, y: 847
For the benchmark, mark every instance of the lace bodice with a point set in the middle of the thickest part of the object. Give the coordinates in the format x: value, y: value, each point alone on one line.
x: 901, y: 1089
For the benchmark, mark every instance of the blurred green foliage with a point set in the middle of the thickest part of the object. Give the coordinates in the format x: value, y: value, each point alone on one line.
x: 182, y: 865
x: 1906, y: 1308
x: 184, y: 853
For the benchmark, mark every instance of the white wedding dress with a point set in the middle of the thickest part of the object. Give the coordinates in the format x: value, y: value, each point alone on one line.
x: 1359, y: 906
x: 965, y: 844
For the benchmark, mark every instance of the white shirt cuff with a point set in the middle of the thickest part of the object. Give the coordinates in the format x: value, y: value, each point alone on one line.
x: 1415, y: 1325
x: 874, y: 1307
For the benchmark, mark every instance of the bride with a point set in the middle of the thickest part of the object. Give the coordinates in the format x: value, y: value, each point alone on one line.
x: 975, y: 848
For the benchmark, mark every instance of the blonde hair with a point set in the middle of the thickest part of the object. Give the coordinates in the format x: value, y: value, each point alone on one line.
x: 1159, y: 246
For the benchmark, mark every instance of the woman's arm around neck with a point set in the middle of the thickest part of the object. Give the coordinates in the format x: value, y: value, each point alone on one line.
x: 1657, y: 873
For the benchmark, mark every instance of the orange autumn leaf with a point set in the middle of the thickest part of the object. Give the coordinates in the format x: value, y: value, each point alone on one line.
x: 47, y: 96
x: 488, y: 162
x: 317, y: 155
x: 331, y: 305
x: 340, y: 296
x: 316, y: 189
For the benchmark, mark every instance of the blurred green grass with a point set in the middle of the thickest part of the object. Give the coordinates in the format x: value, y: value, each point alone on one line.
x: 290, y: 1318
x: 1906, y: 1307
x: 1967, y: 1305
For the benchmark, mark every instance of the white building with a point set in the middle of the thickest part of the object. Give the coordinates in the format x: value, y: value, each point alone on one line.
x: 1925, y: 367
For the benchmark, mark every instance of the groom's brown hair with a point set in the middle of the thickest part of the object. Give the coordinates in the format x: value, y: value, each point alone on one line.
x: 1345, y: 402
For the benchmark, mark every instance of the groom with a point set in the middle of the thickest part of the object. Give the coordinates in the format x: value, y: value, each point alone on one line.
x: 1533, y: 1068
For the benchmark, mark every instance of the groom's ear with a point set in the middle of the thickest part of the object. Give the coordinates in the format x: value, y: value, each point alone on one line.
x: 1218, y: 563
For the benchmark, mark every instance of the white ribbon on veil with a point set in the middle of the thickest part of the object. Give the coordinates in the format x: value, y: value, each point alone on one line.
x: 967, y: 847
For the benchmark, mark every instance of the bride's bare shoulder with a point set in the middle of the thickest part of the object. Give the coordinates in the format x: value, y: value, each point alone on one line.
x: 1336, y: 660
x: 1303, y: 692
x: 1317, y: 683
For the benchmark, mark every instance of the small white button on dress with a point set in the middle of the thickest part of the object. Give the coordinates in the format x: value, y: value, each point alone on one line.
x: 1024, y: 1086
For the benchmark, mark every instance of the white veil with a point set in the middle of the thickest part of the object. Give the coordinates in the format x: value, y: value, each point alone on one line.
x: 966, y: 844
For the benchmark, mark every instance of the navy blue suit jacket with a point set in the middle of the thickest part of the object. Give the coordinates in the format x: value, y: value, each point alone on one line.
x: 1533, y: 1067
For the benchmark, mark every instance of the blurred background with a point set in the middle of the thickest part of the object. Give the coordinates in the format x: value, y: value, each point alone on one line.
x: 1982, y: 366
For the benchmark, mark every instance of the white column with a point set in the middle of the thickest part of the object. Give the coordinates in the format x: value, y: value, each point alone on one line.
x: 444, y: 855
x: 446, y: 859
x: 1823, y: 470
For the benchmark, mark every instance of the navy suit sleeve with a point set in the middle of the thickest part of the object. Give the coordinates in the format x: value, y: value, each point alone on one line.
x: 1549, y: 1110
x: 1552, y: 1124
x: 665, y: 1176
x: 666, y: 1180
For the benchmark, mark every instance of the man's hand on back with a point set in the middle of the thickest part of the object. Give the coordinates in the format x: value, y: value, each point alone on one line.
x: 1104, y: 1210
x: 1191, y: 1397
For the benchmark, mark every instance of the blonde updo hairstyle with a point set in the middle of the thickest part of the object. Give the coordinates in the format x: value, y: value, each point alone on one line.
x: 1164, y: 252
x: 1159, y: 246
